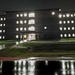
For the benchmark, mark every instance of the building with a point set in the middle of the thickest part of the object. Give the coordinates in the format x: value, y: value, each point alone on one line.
x: 44, y: 24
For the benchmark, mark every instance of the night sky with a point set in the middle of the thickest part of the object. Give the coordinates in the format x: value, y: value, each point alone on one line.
x: 8, y: 5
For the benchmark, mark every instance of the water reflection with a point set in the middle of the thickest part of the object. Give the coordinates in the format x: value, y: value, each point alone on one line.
x: 34, y: 67
x: 2, y: 47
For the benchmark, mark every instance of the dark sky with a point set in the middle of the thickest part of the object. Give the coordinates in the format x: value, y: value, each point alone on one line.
x: 7, y: 5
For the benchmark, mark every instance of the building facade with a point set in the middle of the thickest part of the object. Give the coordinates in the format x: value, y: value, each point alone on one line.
x: 45, y: 24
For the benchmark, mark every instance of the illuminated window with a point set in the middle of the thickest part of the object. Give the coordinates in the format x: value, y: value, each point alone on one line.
x: 21, y: 22
x: 61, y: 35
x: 32, y: 21
x: 60, y: 15
x: 25, y: 14
x: 4, y: 18
x: 24, y: 36
x: 73, y: 35
x: 60, y: 28
x: 59, y: 9
x: 45, y: 27
x: 72, y: 21
x: 32, y: 14
x: 0, y: 31
x: 17, y: 29
x: 53, y: 13
x: 32, y: 28
x: 25, y: 21
x: 68, y: 28
x: 64, y: 28
x: 25, y: 28
x: 64, y: 22
x: 69, y: 35
x: 63, y: 15
x: 65, y: 35
x: 17, y: 22
x: 1, y: 19
x: 68, y: 21
x: 1, y: 25
x: 74, y: 14
x: 17, y: 36
x: 3, y: 30
x: 3, y: 37
x: 71, y: 15
x: 72, y: 28
x: 17, y: 15
x: 21, y: 15
x: 60, y: 22
x: 67, y: 15
x: 20, y: 36
x: 0, y: 37
x: 21, y: 28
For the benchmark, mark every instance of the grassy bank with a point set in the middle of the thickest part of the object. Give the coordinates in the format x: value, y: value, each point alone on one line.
x: 36, y: 49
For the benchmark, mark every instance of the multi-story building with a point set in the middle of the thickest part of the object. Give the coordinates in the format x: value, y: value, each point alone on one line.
x: 45, y: 24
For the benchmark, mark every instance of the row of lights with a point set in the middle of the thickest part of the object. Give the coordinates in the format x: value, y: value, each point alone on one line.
x: 2, y: 37
x: 2, y: 30
x: 32, y: 21
x: 31, y: 28
x: 2, y: 25
x: 2, y: 19
x: 25, y: 15
x: 67, y: 35
x: 68, y: 22
x: 17, y: 36
x: 67, y: 28
x: 66, y: 15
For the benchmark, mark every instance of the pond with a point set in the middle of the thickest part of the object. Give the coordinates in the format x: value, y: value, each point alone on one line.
x: 38, y: 66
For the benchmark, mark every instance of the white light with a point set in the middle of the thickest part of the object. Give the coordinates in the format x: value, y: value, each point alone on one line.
x: 68, y: 21
x: 72, y: 28
x: 64, y: 22
x: 0, y: 31
x: 25, y: 21
x: 25, y: 40
x: 69, y: 35
x: 61, y: 35
x: 21, y: 15
x: 0, y: 37
x: 17, y: 43
x: 65, y: 35
x: 21, y: 22
x: 32, y: 14
x: 60, y: 28
x: 4, y: 18
x: 74, y: 14
x: 64, y: 28
x: 63, y: 15
x: 67, y: 15
x: 21, y: 41
x: 1, y: 19
x: 73, y: 35
x: 3, y: 30
x: 17, y: 29
x: 3, y: 37
x: 32, y: 21
x: 25, y: 14
x: 21, y: 28
x: 17, y: 36
x: 17, y: 22
x: 25, y: 28
x: 3, y: 24
x: 60, y: 22
x: 24, y: 36
x: 17, y: 15
x: 60, y: 15
x: 32, y: 28
x: 59, y: 9
x: 53, y: 13
x: 72, y: 21
x: 45, y: 27
x: 20, y: 36
x: 71, y: 15
x: 68, y: 28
